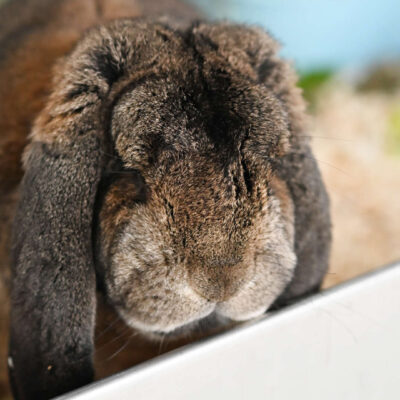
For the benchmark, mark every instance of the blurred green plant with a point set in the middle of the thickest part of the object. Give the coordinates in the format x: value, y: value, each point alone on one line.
x: 311, y: 82
x: 393, y: 133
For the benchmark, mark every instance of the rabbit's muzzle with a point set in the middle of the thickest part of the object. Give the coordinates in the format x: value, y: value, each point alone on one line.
x: 158, y: 286
x: 219, y: 279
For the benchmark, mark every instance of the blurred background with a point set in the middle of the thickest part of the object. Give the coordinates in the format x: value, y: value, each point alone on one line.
x: 347, y: 55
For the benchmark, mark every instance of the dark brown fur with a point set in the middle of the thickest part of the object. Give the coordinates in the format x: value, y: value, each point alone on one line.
x: 207, y: 191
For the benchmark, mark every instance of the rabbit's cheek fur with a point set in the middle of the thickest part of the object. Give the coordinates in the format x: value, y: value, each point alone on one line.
x: 145, y: 280
x: 150, y: 284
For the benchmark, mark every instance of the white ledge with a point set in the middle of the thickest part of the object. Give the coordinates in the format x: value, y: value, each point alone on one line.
x: 343, y: 343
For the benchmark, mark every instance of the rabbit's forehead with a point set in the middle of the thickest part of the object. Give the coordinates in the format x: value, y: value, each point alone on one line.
x: 170, y: 114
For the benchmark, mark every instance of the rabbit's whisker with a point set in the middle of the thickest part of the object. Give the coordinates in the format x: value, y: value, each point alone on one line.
x: 326, y: 163
x: 161, y: 343
x: 113, y: 156
x: 333, y: 166
x: 327, y: 137
x: 107, y: 328
x: 122, y: 347
x: 116, y: 338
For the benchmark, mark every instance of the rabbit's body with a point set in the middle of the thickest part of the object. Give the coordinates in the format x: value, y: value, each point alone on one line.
x: 209, y: 202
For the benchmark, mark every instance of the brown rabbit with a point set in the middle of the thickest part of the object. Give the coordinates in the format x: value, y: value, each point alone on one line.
x: 167, y: 158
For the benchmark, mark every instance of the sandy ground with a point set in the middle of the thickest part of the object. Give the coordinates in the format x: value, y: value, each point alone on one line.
x: 362, y: 174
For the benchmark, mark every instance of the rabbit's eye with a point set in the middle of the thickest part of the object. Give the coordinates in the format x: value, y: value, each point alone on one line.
x: 133, y: 176
x: 128, y: 184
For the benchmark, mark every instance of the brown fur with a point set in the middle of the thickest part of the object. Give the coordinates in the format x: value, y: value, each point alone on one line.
x: 194, y: 130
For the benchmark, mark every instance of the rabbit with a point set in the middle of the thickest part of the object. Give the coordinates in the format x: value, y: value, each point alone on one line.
x: 165, y: 163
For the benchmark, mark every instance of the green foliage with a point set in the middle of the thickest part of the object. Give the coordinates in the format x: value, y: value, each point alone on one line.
x: 393, y: 134
x: 311, y: 82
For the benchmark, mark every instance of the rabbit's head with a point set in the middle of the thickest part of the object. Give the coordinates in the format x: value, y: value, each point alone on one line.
x: 192, y: 219
x: 159, y: 149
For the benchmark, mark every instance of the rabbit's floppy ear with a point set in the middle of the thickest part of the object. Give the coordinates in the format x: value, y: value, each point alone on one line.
x: 53, y: 278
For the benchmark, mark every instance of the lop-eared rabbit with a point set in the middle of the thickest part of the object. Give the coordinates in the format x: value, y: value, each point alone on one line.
x: 155, y: 156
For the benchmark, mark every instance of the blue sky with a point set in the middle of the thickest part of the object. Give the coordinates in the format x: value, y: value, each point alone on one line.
x: 321, y: 33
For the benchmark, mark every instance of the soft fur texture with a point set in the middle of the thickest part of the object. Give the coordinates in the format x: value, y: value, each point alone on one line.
x: 171, y: 147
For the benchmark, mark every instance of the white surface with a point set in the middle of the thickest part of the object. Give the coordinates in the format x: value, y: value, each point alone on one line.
x: 341, y: 344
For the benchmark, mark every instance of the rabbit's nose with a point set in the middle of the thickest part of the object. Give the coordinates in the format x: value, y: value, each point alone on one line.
x: 217, y: 281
